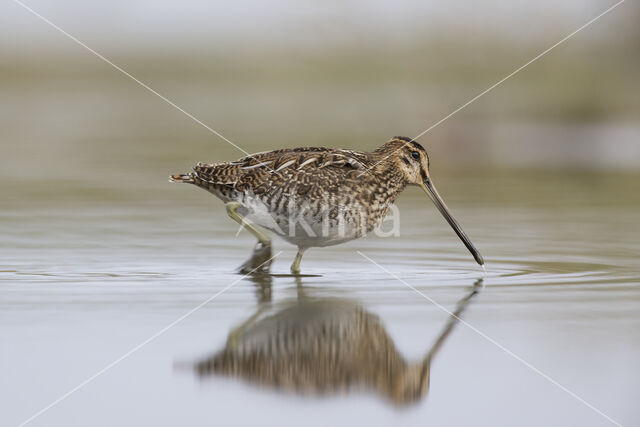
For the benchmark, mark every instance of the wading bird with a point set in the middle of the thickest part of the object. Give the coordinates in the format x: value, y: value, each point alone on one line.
x: 315, y: 196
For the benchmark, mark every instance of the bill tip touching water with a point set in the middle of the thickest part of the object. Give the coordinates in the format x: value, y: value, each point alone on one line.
x: 317, y: 196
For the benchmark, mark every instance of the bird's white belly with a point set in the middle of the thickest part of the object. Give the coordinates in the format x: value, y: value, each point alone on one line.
x: 303, y: 228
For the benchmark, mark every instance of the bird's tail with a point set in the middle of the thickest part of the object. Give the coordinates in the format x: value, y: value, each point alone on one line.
x: 180, y: 177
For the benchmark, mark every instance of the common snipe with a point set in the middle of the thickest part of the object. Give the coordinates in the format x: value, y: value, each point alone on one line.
x: 315, y: 196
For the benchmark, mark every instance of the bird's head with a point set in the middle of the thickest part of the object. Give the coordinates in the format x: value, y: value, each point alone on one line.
x: 407, y: 157
x: 410, y: 162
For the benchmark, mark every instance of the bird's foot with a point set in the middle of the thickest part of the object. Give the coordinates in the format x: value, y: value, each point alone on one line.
x: 295, y: 271
x: 260, y: 261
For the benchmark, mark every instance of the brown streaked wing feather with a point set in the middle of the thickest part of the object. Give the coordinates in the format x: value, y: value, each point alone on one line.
x: 302, y: 155
x: 261, y: 171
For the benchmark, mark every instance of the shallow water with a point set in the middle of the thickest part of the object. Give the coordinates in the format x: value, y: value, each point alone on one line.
x: 90, y: 271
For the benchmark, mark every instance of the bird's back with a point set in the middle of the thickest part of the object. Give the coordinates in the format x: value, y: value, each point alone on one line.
x: 295, y: 170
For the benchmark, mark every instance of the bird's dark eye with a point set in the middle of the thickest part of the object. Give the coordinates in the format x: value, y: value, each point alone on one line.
x: 415, y: 155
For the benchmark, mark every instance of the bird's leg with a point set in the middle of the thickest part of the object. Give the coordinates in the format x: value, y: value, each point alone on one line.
x: 295, y: 267
x: 260, y: 260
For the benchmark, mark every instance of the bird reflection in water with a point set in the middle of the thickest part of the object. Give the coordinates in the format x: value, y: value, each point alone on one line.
x: 322, y: 346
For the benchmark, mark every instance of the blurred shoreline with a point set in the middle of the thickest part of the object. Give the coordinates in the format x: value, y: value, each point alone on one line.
x: 312, y: 81
x: 83, y: 109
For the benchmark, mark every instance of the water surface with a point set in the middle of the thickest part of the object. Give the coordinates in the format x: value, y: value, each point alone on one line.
x: 90, y: 269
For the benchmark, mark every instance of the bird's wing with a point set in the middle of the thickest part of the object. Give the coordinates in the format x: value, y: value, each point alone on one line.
x: 261, y: 170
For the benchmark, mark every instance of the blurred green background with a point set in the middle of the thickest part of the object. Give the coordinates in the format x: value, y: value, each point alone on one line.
x: 345, y: 74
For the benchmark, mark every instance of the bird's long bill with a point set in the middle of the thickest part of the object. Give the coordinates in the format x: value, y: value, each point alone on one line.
x: 431, y: 191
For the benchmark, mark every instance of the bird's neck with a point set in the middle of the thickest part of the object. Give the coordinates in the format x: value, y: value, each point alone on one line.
x: 384, y: 170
